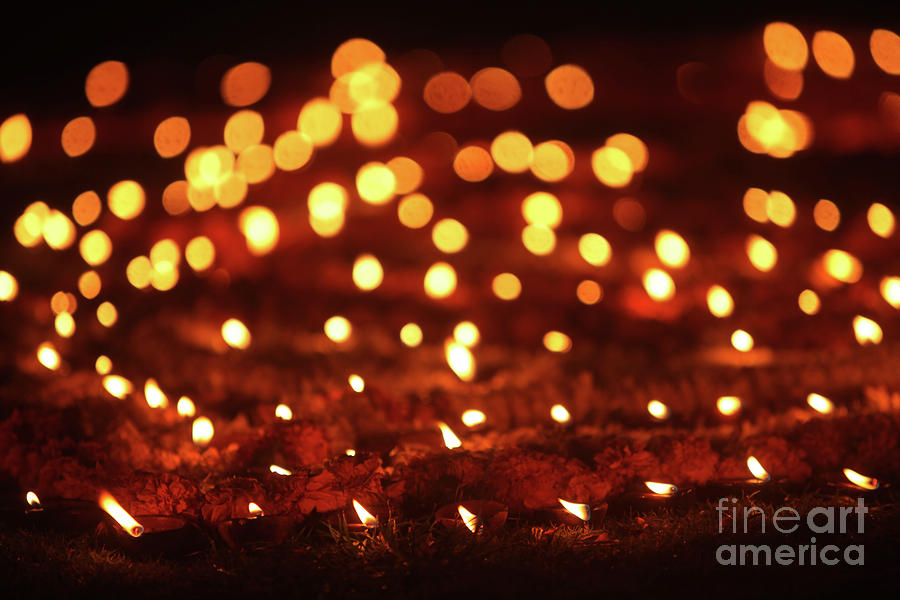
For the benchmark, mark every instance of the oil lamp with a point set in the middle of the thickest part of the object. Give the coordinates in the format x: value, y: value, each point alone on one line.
x: 478, y: 517
x: 256, y: 529
x: 574, y: 514
x: 368, y: 522
x: 761, y: 486
x: 856, y: 485
x: 61, y: 514
x: 653, y: 495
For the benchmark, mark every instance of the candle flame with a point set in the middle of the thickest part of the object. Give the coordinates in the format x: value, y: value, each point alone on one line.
x: 32, y: 499
x: 820, y: 403
x: 473, y: 417
x: 663, y: 489
x: 658, y: 410
x: 757, y: 469
x: 450, y: 438
x: 460, y: 360
x: 117, y: 385
x: 115, y: 510
x: 470, y: 520
x: 357, y: 383
x: 742, y: 341
x: 728, y: 405
x: 582, y: 511
x: 255, y: 510
x: 284, y: 412
x: 186, y: 407
x: 659, y: 285
x: 48, y: 356
x: 279, y: 470
x: 466, y: 333
x: 154, y: 395
x: 235, y: 334
x: 350, y: 452
x: 866, y: 483
x: 202, y: 431
x: 867, y: 331
x: 719, y: 301
x: 560, y: 413
x: 365, y: 517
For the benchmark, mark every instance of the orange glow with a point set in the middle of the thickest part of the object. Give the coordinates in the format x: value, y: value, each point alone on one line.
x: 121, y: 516
x: 885, y: 48
x: 506, y: 286
x: 451, y: 441
x: 827, y: 215
x: 376, y: 183
x: 473, y: 163
x: 866, y: 330
x: 659, y: 285
x: 353, y: 54
x: 594, y: 249
x: 728, y: 405
x: 629, y: 214
x: 374, y: 123
x: 761, y: 252
x: 473, y: 417
x: 757, y: 469
x: 542, y: 208
x: 175, y: 198
x: 63, y: 302
x: 86, y: 208
x: 512, y: 151
x: 32, y: 500
x: 327, y: 202
x: 557, y: 341
x: 255, y: 510
x: 415, y: 211
x: 582, y: 511
x: 552, y: 161
x: 292, y: 150
x: 117, y: 386
x: 495, y: 89
x: 64, y: 325
x: 279, y: 470
x: 785, y: 46
x: 243, y: 129
x: 154, y: 395
x: 780, y: 209
x: 256, y: 163
x: 284, y: 412
x: 29, y: 227
x: 338, y: 329
x: 809, y: 302
x: 671, y: 249
x: 48, y: 356
x: 202, y: 431
x: 185, y: 407
x: 589, y: 292
x: 784, y: 83
x: 612, y: 167
x: 78, y: 136
x: 367, y: 272
x: 15, y: 138
x: 320, y: 120
x: 742, y: 341
x: 9, y: 287
x: 843, y: 266
x: 633, y: 147
x: 449, y: 236
x: 411, y: 335
x: 447, y: 92
x: 755, y: 201
x: 172, y: 136
x: 569, y: 86
x: 560, y: 413
x: 106, y: 83
x: 779, y: 133
x: 245, y: 84
x: 236, y: 334
x: 719, y: 301
x: 460, y: 360
x: 107, y: 314
x: 407, y: 173
x: 658, y: 410
x: 467, y: 334
x: 440, y: 280
x: 859, y: 480
x: 820, y: 403
x: 365, y: 517
x: 833, y: 54
x: 881, y: 220
x: 889, y: 287
x: 260, y: 228
x: 200, y: 253
x: 357, y: 383
x: 538, y: 239
x: 661, y: 489
x: 58, y: 230
x: 126, y: 199
x: 469, y: 519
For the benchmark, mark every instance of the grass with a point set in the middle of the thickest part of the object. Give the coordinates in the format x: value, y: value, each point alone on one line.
x: 662, y: 552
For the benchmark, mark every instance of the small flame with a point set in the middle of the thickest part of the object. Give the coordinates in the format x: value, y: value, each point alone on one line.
x: 470, y: 520
x: 663, y: 489
x: 466, y: 333
x: 450, y: 438
x: 48, y: 356
x: 560, y: 413
x: 117, y: 385
x: 154, y: 395
x: 742, y: 341
x: 867, y: 331
x: 255, y: 510
x: 32, y: 499
x: 284, y: 412
x: 236, y: 334
x: 473, y: 417
x: 658, y: 410
x: 115, y: 510
x: 728, y: 405
x: 820, y: 403
x: 186, y: 407
x: 350, y: 452
x: 357, y: 383
x: 582, y: 511
x: 460, y: 360
x: 279, y: 470
x: 866, y: 483
x: 365, y: 517
x: 757, y: 469
x: 202, y: 431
